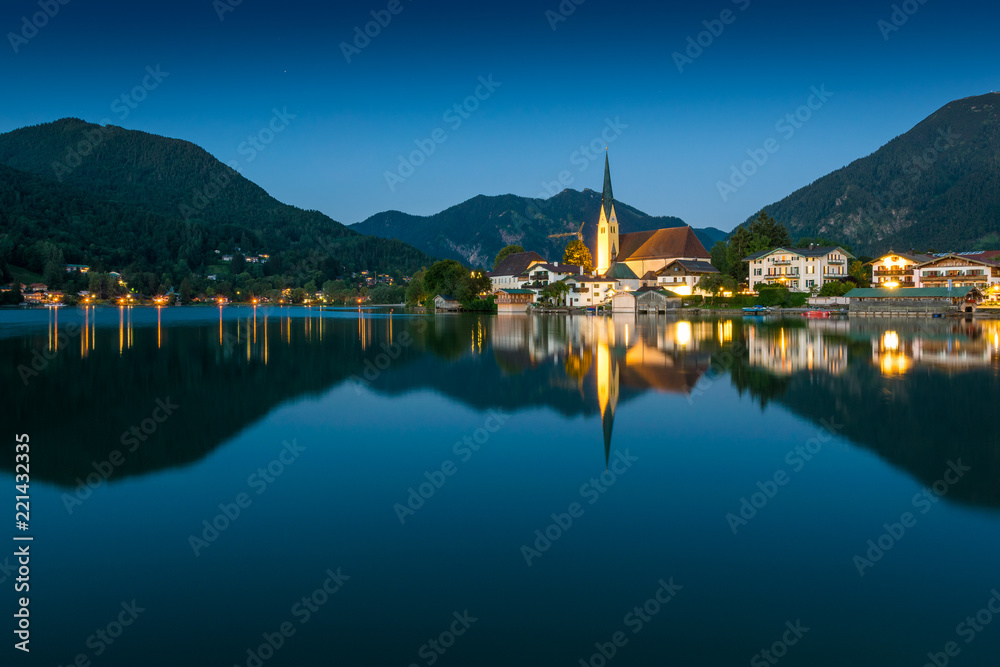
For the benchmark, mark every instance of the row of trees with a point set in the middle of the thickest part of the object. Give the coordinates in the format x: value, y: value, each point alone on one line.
x: 449, y: 277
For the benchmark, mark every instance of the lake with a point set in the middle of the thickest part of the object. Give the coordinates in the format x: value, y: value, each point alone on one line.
x: 290, y: 486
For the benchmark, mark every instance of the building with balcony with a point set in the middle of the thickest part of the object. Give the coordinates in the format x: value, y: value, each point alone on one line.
x: 589, y: 290
x: 958, y: 270
x: 681, y: 276
x: 895, y: 269
x: 798, y: 269
x: 509, y: 274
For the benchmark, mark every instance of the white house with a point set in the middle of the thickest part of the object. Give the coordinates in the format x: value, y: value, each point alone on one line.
x: 543, y: 274
x: 959, y: 270
x: 508, y: 274
x: 798, y: 269
x: 681, y: 276
x: 895, y: 269
x: 589, y: 290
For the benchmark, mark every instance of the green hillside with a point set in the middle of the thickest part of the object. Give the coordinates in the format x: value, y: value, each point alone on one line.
x: 936, y: 186
x: 147, y: 202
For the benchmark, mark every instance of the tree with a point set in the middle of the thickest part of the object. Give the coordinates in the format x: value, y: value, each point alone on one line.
x: 767, y: 233
x: 739, y: 247
x: 861, y: 272
x: 509, y: 250
x: 555, y: 292
x: 578, y: 253
x: 720, y: 257
x: 238, y: 265
x: 713, y: 283
x: 835, y: 288
x: 444, y: 277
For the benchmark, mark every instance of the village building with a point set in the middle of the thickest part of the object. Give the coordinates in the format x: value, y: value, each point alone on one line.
x: 648, y: 299
x: 446, y: 302
x: 587, y: 290
x: 508, y: 274
x: 895, y: 269
x: 514, y: 300
x: 639, y: 251
x: 681, y: 276
x: 798, y: 269
x: 542, y: 275
x: 958, y: 270
x: 913, y: 300
x: 77, y: 268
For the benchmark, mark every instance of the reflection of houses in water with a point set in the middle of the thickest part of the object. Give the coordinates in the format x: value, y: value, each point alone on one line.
x: 639, y: 354
x: 966, y: 345
x: 784, y: 351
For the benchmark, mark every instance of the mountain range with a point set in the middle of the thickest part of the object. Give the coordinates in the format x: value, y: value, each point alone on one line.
x: 111, y: 197
x: 936, y: 187
x: 474, y: 231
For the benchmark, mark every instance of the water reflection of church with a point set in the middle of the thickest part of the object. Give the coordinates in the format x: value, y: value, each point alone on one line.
x: 622, y: 357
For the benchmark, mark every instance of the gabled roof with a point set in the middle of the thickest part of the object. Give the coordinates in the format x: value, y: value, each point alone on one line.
x: 660, y: 290
x: 561, y: 268
x: 446, y: 297
x: 660, y: 243
x: 620, y: 271
x: 817, y: 251
x: 692, y: 266
x: 517, y: 263
x: 968, y: 257
x: 912, y: 256
x: 588, y: 279
x: 908, y: 292
x: 517, y: 291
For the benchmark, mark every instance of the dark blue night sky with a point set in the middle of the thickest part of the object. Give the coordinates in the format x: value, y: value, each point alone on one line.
x: 676, y: 126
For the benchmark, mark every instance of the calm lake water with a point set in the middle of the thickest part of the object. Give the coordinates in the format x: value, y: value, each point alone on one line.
x: 296, y: 487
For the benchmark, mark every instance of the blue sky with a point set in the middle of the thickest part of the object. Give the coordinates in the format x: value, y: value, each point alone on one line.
x: 556, y: 85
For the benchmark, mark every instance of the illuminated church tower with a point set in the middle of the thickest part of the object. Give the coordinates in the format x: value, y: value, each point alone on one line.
x: 607, y: 227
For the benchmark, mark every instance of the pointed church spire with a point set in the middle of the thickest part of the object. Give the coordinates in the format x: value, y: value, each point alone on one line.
x: 607, y: 199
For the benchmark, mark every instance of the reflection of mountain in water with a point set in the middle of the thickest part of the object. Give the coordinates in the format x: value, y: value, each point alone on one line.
x: 913, y: 392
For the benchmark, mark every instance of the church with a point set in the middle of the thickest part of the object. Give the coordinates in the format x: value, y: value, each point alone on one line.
x: 638, y: 254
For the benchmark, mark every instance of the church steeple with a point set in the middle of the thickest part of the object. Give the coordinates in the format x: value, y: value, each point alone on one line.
x: 607, y: 227
x: 608, y: 198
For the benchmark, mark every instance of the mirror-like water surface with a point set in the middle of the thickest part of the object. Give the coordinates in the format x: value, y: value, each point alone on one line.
x: 272, y: 486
